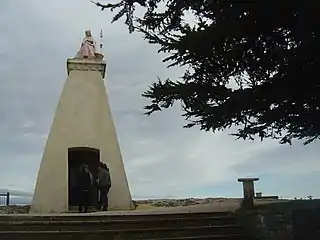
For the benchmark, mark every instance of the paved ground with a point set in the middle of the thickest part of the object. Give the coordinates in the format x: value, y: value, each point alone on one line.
x: 216, y: 206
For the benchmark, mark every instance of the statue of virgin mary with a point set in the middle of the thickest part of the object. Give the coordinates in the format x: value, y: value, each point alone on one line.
x: 88, y: 47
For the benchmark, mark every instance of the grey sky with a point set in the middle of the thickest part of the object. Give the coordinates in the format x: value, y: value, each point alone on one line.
x: 161, y: 158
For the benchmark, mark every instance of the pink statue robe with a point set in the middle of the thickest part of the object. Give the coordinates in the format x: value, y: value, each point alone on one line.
x: 88, y: 48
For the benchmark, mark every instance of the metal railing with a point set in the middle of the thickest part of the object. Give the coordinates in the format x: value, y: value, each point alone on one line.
x: 5, y: 199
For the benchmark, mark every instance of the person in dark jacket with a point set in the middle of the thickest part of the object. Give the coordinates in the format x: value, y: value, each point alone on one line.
x: 84, y: 188
x: 104, y: 185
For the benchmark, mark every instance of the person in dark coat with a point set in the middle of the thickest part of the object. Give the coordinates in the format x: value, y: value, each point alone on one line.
x: 104, y: 185
x: 84, y: 184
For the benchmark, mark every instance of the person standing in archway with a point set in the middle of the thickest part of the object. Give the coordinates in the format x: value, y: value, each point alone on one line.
x: 104, y: 185
x: 84, y: 184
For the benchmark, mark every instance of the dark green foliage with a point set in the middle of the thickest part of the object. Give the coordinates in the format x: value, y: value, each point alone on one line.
x: 250, y: 64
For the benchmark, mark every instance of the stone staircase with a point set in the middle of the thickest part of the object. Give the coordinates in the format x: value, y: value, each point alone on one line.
x: 162, y: 226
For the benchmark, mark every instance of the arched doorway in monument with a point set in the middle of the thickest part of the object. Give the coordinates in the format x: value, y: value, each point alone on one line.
x: 76, y: 157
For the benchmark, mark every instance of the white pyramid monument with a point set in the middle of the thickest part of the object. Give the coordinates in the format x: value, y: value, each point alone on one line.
x: 82, y: 132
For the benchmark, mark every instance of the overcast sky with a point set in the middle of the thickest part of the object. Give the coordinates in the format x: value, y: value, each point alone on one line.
x: 161, y: 158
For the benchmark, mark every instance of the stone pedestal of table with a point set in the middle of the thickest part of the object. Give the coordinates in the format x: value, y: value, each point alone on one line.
x: 248, y: 192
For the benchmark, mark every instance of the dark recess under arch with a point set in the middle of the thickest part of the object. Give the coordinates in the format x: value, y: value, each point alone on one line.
x: 76, y: 157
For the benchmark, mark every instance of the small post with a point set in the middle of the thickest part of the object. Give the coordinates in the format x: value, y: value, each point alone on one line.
x: 8, y: 199
x: 248, y: 192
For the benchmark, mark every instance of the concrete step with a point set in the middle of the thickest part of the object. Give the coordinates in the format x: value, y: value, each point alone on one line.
x: 202, y: 237
x: 207, y: 237
x: 156, y: 226
x: 126, y: 234
x: 102, y: 224
x: 111, y: 216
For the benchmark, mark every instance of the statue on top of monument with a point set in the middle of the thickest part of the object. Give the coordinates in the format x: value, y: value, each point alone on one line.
x: 88, y: 47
